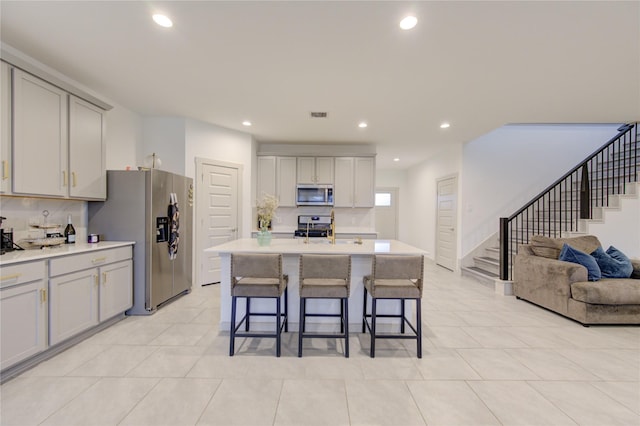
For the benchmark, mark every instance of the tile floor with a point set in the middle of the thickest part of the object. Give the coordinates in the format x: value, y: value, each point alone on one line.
x: 488, y: 360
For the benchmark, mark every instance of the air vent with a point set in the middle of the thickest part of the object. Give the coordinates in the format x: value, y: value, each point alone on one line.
x: 318, y: 114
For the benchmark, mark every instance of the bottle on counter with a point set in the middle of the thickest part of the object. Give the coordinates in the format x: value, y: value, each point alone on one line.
x: 69, y: 232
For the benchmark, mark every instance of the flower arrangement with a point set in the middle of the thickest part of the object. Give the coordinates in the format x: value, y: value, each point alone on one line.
x: 267, y: 207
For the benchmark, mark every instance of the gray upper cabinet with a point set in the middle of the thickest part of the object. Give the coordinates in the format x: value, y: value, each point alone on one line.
x: 355, y: 182
x: 5, y: 128
x: 40, y: 137
x: 86, y: 150
x: 277, y: 177
x: 58, y: 143
x: 315, y: 170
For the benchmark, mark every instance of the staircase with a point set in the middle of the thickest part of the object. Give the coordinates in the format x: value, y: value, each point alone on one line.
x: 612, y: 176
x: 486, y: 265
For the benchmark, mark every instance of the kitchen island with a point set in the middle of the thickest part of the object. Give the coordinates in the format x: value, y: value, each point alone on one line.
x: 291, y: 249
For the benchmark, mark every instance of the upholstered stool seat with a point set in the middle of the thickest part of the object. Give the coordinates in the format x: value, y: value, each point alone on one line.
x: 394, y: 277
x: 325, y: 277
x: 258, y: 275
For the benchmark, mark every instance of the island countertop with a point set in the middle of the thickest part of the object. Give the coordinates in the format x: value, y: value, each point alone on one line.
x: 316, y: 246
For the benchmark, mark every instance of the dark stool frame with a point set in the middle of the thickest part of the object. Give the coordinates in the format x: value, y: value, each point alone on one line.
x: 417, y: 330
x: 282, y: 321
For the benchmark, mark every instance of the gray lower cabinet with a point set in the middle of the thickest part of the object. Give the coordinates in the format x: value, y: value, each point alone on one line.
x: 73, y: 304
x: 23, y: 312
x: 39, y: 310
x: 86, y: 289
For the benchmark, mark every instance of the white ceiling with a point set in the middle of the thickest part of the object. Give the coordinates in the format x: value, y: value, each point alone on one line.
x: 478, y: 65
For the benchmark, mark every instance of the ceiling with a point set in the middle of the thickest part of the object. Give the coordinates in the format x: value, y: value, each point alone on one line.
x: 477, y: 65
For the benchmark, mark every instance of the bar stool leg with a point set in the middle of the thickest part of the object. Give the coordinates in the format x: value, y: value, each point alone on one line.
x: 364, y: 310
x: 419, y: 326
x: 342, y: 316
x: 403, y: 317
x: 373, y: 327
x: 232, y: 331
x: 345, y: 326
x: 247, y: 313
x: 286, y: 310
x: 278, y: 327
x: 301, y: 325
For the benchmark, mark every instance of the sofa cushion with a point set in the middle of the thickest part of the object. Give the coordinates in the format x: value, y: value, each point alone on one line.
x: 610, y: 266
x: 570, y: 254
x: 607, y: 291
x: 550, y: 247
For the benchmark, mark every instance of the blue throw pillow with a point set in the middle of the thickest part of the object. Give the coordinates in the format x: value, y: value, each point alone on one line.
x: 613, y: 263
x: 569, y: 254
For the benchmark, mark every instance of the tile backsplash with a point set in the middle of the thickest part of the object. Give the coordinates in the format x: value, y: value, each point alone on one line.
x: 20, y: 212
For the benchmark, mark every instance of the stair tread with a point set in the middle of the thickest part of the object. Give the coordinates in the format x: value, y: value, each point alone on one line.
x: 482, y: 271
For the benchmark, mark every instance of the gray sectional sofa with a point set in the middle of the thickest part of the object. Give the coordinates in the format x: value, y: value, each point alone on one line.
x: 562, y: 287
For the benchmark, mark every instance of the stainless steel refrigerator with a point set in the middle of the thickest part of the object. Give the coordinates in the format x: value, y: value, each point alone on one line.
x: 154, y: 208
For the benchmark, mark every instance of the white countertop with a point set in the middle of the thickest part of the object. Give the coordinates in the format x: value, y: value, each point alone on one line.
x: 18, y: 256
x: 316, y: 246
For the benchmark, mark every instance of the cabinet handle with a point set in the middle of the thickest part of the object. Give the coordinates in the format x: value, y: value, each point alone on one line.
x: 98, y: 260
x: 104, y: 278
x: 43, y: 295
x: 5, y: 170
x: 10, y: 277
x: 95, y: 278
x: 73, y: 178
x: 64, y: 178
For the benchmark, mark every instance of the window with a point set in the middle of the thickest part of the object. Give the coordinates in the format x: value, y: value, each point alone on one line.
x: 383, y: 199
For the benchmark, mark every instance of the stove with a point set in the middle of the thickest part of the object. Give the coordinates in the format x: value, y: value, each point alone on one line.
x: 318, y: 226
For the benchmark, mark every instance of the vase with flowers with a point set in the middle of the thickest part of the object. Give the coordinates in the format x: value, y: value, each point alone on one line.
x: 266, y: 207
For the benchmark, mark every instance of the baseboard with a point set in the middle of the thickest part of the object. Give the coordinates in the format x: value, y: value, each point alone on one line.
x: 504, y: 288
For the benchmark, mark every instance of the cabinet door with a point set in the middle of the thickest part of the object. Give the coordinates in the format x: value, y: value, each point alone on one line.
x: 73, y: 304
x: 88, y: 179
x: 306, y: 170
x: 364, y: 182
x: 343, y: 188
x: 324, y: 170
x: 116, y: 289
x: 286, y: 181
x: 266, y: 183
x: 5, y: 128
x: 23, y: 310
x: 39, y: 137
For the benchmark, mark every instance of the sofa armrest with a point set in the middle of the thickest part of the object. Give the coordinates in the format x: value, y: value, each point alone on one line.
x: 636, y: 269
x: 546, y: 282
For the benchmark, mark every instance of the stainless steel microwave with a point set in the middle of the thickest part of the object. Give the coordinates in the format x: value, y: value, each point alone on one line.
x: 314, y: 195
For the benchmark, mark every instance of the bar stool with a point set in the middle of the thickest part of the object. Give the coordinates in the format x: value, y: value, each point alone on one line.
x: 258, y: 275
x: 325, y: 276
x: 394, y: 277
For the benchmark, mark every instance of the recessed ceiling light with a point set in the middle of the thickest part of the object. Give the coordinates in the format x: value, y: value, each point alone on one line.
x: 396, y: 159
x: 408, y: 22
x: 162, y: 20
x: 362, y: 125
x: 445, y: 125
x: 246, y: 123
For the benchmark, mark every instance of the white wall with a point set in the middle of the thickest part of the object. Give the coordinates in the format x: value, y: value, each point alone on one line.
x: 419, y: 227
x: 620, y: 227
x: 507, y: 167
x: 166, y: 137
x: 205, y: 140
x: 123, y: 138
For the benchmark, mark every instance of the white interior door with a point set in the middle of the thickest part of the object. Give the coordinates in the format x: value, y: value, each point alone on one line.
x: 218, y: 214
x: 387, y: 213
x: 446, y: 236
